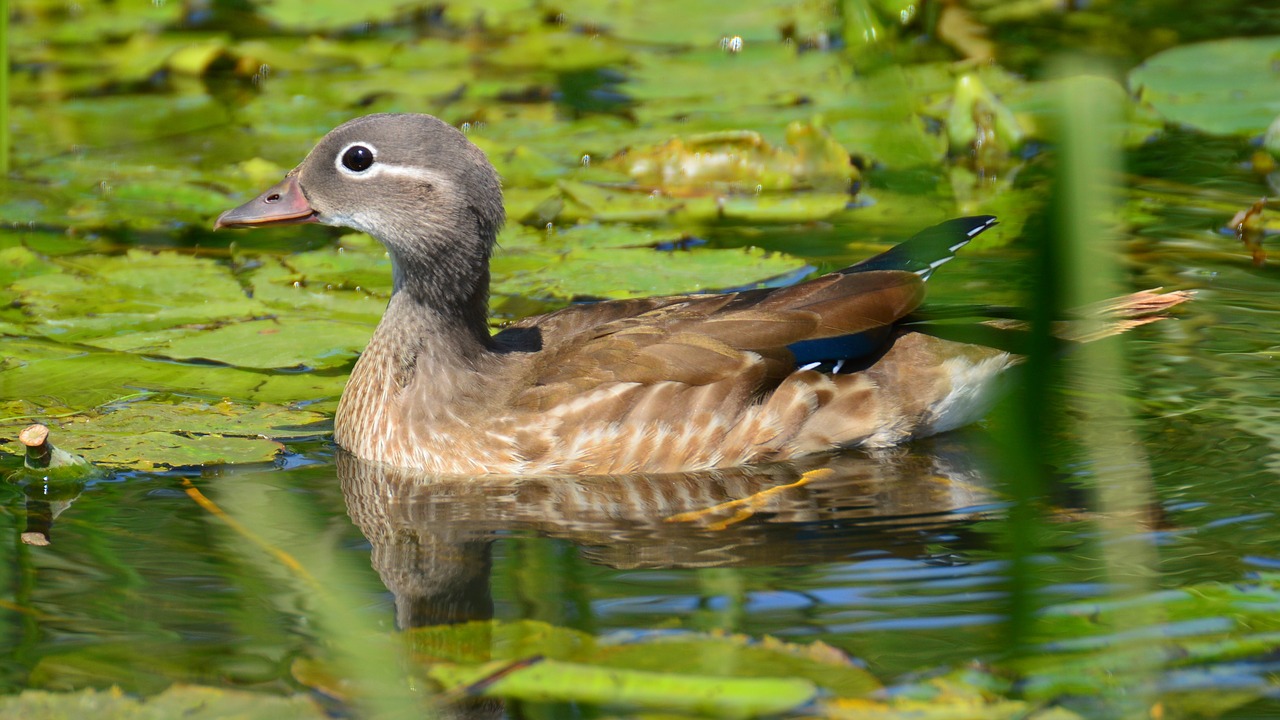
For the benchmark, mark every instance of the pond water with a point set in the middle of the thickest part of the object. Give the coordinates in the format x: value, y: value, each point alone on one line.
x: 237, y: 576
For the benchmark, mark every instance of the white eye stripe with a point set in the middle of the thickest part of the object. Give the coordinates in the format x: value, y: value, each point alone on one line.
x: 404, y: 171
x: 377, y: 170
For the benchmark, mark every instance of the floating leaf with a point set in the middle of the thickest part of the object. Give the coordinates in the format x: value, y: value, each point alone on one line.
x: 687, y: 653
x: 478, y: 642
x: 148, y: 435
x: 73, y: 379
x: 1038, y: 106
x: 159, y: 450
x: 139, y: 292
x: 559, y: 52
x: 633, y: 272
x: 189, y: 702
x: 588, y: 235
x: 819, y: 663
x: 554, y: 681
x: 328, y: 14
x: 605, y: 204
x: 272, y: 343
x: 741, y: 161
x: 1224, y: 87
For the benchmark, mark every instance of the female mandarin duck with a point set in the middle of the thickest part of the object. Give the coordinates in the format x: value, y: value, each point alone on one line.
x: 648, y: 385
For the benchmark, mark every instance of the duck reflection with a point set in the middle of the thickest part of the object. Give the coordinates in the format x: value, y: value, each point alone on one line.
x: 432, y: 536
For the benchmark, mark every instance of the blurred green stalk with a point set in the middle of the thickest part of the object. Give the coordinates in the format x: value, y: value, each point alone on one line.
x: 4, y: 86
x: 1075, y: 262
x: 1089, y: 219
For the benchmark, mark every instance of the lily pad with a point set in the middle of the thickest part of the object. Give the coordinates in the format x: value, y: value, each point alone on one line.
x: 267, y: 343
x: 1224, y: 87
x: 147, y: 435
x: 716, y: 674
x: 551, y: 680
x: 180, y: 701
x: 138, y: 292
x: 620, y: 204
x: 60, y: 379
x: 329, y: 14
x: 96, y: 123
x: 534, y: 268
x: 742, y: 160
x: 559, y: 52
x: 590, y: 235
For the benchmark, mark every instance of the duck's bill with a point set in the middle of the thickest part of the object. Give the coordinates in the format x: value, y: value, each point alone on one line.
x: 281, y: 204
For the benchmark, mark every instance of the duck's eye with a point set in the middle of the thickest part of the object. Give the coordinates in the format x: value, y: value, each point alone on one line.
x: 357, y: 158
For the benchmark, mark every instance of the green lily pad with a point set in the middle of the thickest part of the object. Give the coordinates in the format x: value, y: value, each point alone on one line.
x: 157, y: 450
x: 1224, y: 87
x: 270, y: 343
x: 606, y: 204
x: 147, y: 435
x: 179, y: 701
x: 355, y: 293
x: 633, y: 272
x: 96, y: 123
x: 94, y: 20
x: 522, y: 166
x: 579, y: 667
x: 741, y: 160
x: 19, y: 262
x: 61, y: 379
x: 587, y: 235
x: 559, y: 52
x: 329, y: 14
x: 551, y: 680
x: 139, y: 292
x: 1038, y: 106
x: 765, y: 74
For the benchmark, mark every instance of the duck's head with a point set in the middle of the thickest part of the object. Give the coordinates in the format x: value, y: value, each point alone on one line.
x: 412, y: 181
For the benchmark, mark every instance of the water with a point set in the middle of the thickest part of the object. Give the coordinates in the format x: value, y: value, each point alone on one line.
x: 902, y: 561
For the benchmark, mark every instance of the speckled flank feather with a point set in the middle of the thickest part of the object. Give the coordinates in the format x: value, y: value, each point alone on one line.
x: 635, y: 386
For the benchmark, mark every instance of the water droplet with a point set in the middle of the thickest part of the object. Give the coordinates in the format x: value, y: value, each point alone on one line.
x: 586, y: 161
x: 731, y: 44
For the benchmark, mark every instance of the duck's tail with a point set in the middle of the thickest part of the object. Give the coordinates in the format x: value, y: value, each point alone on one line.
x: 928, y: 249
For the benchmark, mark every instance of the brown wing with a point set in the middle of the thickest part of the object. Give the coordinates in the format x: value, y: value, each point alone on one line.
x: 699, y: 340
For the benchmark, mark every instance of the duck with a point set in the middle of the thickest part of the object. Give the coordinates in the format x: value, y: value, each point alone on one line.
x: 648, y: 385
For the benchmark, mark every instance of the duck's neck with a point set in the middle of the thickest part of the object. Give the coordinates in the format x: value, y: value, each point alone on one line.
x: 435, y: 326
x: 442, y: 291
